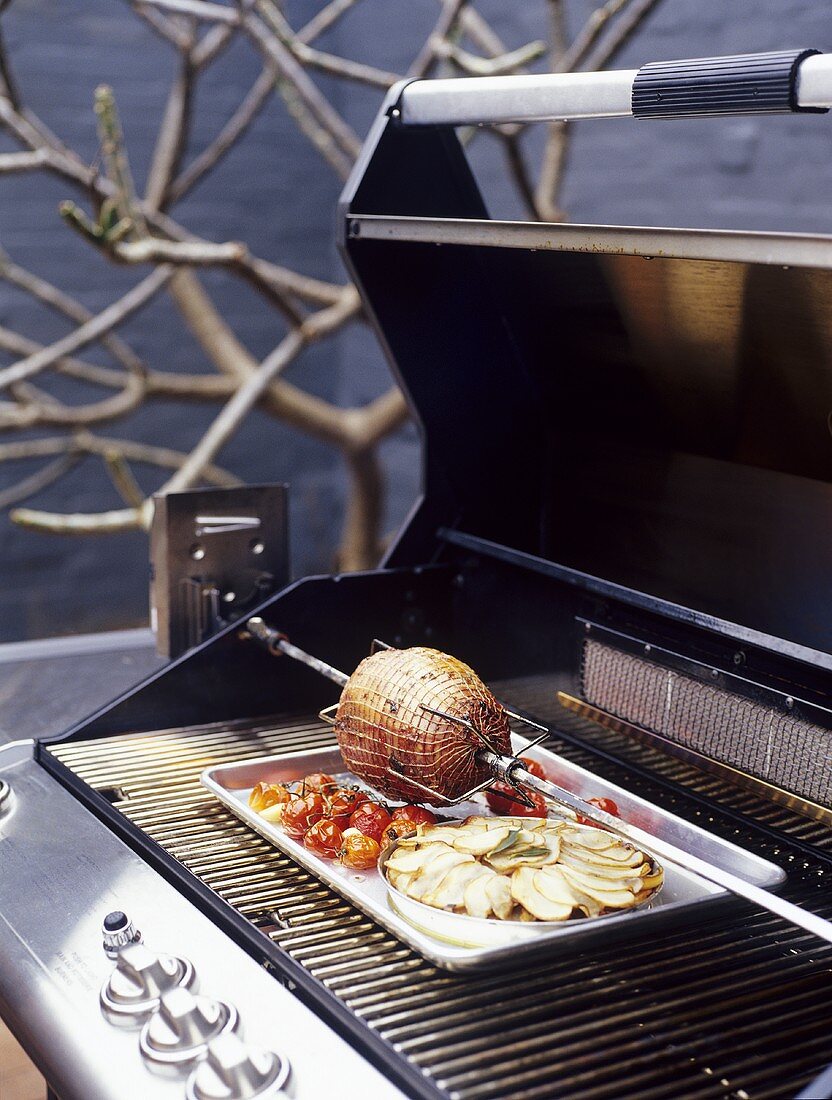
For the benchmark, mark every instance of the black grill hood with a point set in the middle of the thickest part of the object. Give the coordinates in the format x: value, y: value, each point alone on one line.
x: 650, y: 407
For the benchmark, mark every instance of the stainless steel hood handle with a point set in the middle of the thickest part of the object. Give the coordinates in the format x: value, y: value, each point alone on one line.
x: 796, y: 80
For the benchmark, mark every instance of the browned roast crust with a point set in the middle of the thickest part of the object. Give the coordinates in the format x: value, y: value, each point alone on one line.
x: 382, y: 722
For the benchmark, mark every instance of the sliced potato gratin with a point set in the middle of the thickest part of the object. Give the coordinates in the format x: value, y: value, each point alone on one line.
x: 521, y: 868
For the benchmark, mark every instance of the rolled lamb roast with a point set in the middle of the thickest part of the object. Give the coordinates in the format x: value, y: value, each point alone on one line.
x: 387, y: 721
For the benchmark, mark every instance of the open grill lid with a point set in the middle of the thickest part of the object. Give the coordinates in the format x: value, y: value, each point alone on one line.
x: 650, y: 407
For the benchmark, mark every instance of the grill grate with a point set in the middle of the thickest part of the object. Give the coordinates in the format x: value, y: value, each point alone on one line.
x: 733, y: 1008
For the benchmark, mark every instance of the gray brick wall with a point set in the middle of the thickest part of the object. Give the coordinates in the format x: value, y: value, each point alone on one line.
x: 773, y: 173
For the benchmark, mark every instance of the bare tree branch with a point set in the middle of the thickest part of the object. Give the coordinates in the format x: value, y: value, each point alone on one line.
x: 278, y: 284
x: 211, y: 45
x: 324, y: 20
x: 173, y: 135
x: 360, y: 543
x: 8, y: 85
x: 199, y: 9
x: 200, y: 387
x: 83, y: 523
x: 503, y: 63
x: 303, y: 90
x: 196, y: 387
x: 557, y: 29
x: 50, y: 473
x: 271, y: 278
x: 87, y: 443
x: 366, y: 427
x: 62, y: 303
x: 122, y: 478
x: 233, y: 130
x: 110, y: 234
x: 442, y: 31
x: 134, y: 386
x: 150, y: 250
x: 22, y: 346
x: 166, y: 28
x: 250, y: 392
x: 589, y: 34
x: 113, y: 315
x: 38, y: 409
x: 20, y: 127
x: 343, y: 66
x: 232, y: 415
x: 547, y: 192
x: 623, y: 31
x: 480, y: 31
x: 315, y: 59
x: 519, y: 170
x: 22, y: 162
x: 346, y: 429
x: 294, y: 406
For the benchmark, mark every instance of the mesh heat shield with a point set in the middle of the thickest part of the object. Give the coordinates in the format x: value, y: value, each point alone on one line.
x: 761, y: 741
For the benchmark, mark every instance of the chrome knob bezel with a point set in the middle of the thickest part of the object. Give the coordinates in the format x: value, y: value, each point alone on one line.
x: 208, y: 1073
x: 227, y: 1020
x: 119, y: 1006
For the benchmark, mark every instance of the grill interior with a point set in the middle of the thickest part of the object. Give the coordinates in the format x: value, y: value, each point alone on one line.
x: 733, y: 1007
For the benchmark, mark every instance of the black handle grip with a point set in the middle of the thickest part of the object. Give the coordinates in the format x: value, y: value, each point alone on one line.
x: 761, y: 83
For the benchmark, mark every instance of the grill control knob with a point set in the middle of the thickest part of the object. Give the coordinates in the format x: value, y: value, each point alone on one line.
x: 138, y: 981
x: 233, y: 1071
x: 118, y: 931
x: 183, y: 1025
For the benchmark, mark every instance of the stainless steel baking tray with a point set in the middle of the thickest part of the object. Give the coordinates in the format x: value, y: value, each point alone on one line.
x: 682, y: 895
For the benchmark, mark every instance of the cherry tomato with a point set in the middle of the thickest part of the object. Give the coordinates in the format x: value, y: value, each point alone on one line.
x: 402, y: 826
x: 605, y: 804
x: 417, y: 814
x: 534, y: 767
x: 324, y: 839
x: 371, y: 819
x: 268, y: 794
x: 302, y: 813
x: 318, y: 781
x: 360, y: 852
x: 342, y: 803
x: 503, y: 800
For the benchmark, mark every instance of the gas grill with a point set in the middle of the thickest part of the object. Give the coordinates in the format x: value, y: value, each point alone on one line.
x: 624, y: 529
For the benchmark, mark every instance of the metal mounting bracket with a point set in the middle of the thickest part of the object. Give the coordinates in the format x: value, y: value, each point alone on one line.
x: 214, y: 555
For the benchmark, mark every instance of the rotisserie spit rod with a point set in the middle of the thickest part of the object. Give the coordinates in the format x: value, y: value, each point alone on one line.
x: 500, y: 765
x: 277, y: 643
